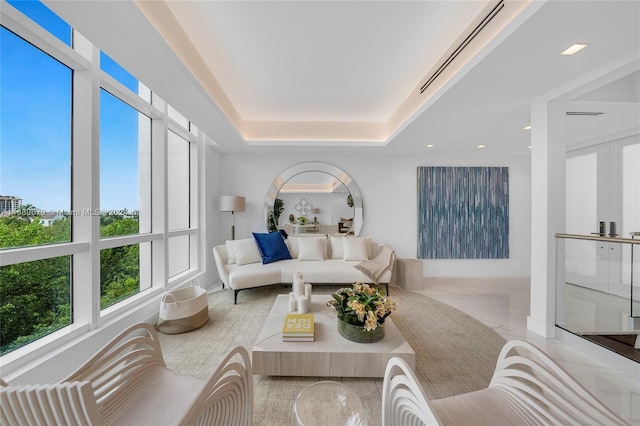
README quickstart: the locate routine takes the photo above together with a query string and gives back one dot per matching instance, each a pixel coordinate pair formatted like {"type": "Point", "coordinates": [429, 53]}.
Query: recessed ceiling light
{"type": "Point", "coordinates": [573, 49]}
{"type": "Point", "coordinates": [529, 147]}
{"type": "Point", "coordinates": [527, 127]}
{"type": "Point", "coordinates": [430, 146]}
{"type": "Point", "coordinates": [481, 146]}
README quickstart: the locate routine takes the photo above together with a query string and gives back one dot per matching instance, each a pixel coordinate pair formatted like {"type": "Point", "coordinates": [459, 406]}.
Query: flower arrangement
{"type": "Point", "coordinates": [362, 305]}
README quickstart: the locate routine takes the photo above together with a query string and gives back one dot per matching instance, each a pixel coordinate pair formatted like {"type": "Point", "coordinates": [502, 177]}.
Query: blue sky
{"type": "Point", "coordinates": [35, 124]}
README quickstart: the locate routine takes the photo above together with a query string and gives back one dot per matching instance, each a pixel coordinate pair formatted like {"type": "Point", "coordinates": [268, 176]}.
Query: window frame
{"type": "Point", "coordinates": [83, 58]}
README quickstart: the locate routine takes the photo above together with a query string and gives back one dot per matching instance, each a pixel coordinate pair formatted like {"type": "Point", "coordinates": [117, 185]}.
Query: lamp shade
{"type": "Point", "coordinates": [231, 203]}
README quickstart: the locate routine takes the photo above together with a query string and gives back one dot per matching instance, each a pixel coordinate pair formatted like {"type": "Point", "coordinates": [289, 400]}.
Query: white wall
{"type": "Point", "coordinates": [388, 185]}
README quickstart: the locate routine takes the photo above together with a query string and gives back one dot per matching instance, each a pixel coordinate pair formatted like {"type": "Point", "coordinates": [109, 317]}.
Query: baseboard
{"type": "Point", "coordinates": [541, 328]}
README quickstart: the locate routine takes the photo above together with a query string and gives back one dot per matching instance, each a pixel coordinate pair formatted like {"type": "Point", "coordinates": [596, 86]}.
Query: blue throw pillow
{"type": "Point", "coordinates": [272, 247]}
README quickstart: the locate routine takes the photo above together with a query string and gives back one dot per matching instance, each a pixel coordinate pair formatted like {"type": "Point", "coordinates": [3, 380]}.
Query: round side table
{"type": "Point", "coordinates": [329, 403]}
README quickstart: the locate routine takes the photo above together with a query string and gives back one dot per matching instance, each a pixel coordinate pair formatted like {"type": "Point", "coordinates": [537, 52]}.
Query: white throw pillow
{"type": "Point", "coordinates": [244, 251]}
{"type": "Point", "coordinates": [231, 258]}
{"type": "Point", "coordinates": [355, 248]}
{"type": "Point", "coordinates": [292, 245]}
{"type": "Point", "coordinates": [336, 247]}
{"type": "Point", "coordinates": [311, 248]}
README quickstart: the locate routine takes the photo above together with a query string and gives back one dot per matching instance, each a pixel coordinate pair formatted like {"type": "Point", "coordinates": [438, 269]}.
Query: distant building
{"type": "Point", "coordinates": [9, 203]}
{"type": "Point", "coordinates": [49, 217]}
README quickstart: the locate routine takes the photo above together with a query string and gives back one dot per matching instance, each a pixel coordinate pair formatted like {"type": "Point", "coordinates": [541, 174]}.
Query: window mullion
{"type": "Point", "coordinates": [86, 185]}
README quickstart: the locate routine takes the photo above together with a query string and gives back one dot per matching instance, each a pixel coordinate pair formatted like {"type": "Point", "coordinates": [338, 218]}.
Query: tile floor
{"type": "Point", "coordinates": [503, 305]}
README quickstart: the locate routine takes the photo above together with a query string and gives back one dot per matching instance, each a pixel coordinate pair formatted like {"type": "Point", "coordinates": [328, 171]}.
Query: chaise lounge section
{"type": "Point", "coordinates": [321, 259]}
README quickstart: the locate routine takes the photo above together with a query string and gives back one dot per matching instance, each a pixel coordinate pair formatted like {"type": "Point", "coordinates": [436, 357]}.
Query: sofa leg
{"type": "Point", "coordinates": [386, 285]}
{"type": "Point", "coordinates": [235, 297]}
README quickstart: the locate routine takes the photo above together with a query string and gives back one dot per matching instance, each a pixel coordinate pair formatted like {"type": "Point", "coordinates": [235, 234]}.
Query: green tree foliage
{"type": "Point", "coordinates": [35, 297]}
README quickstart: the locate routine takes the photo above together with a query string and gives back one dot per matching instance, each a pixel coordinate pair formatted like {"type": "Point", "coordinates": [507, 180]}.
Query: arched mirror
{"type": "Point", "coordinates": [314, 197]}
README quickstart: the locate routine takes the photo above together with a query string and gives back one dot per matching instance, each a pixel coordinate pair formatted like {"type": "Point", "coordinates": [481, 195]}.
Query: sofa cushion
{"type": "Point", "coordinates": [254, 275]}
{"type": "Point", "coordinates": [293, 243]}
{"type": "Point", "coordinates": [311, 248]}
{"type": "Point", "coordinates": [272, 247]}
{"type": "Point", "coordinates": [329, 271]}
{"type": "Point", "coordinates": [336, 247]}
{"type": "Point", "coordinates": [242, 252]}
{"type": "Point", "coordinates": [355, 248]}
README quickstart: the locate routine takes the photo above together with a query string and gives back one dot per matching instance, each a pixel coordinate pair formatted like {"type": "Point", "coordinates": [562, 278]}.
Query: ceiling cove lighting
{"type": "Point", "coordinates": [573, 49]}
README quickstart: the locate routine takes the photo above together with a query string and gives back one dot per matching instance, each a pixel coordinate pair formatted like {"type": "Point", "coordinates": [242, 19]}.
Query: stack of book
{"type": "Point", "coordinates": [298, 328]}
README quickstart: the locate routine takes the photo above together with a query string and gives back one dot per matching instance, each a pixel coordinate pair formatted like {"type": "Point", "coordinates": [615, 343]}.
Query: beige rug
{"type": "Point", "coordinates": [454, 352]}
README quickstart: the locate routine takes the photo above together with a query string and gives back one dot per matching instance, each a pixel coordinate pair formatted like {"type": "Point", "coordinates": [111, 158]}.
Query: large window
{"type": "Point", "coordinates": [125, 141]}
{"type": "Point", "coordinates": [82, 241]}
{"type": "Point", "coordinates": [35, 134]}
{"type": "Point", "coordinates": [36, 145]}
{"type": "Point", "coordinates": [181, 194]}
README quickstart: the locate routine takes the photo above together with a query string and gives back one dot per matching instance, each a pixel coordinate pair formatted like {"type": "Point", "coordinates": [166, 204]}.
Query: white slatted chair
{"type": "Point", "coordinates": [527, 388]}
{"type": "Point", "coordinates": [131, 385]}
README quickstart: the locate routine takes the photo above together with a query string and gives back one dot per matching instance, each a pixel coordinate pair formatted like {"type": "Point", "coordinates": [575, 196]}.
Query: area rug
{"type": "Point", "coordinates": [454, 353]}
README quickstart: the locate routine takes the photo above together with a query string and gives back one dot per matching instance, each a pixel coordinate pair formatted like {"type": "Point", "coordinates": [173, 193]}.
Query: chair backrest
{"type": "Point", "coordinates": [129, 356]}
{"type": "Point", "coordinates": [551, 394]}
{"type": "Point", "coordinates": [61, 404]}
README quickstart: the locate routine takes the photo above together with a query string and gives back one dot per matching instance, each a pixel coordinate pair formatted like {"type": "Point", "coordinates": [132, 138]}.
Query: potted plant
{"type": "Point", "coordinates": [361, 311]}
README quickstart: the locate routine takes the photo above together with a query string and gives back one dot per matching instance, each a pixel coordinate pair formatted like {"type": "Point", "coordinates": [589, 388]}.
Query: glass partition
{"type": "Point", "coordinates": [601, 301]}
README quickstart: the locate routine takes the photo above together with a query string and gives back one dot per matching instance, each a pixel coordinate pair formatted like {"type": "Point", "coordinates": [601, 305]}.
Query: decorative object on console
{"type": "Point", "coordinates": [272, 247]}
{"type": "Point", "coordinates": [232, 203]}
{"type": "Point", "coordinates": [304, 207]}
{"type": "Point", "coordinates": [361, 311]}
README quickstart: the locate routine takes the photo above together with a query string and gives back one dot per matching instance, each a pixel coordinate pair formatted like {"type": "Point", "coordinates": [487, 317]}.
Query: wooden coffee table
{"type": "Point", "coordinates": [330, 355]}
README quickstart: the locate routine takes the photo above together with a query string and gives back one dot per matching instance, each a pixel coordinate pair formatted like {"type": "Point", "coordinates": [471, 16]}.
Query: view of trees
{"type": "Point", "coordinates": [35, 297]}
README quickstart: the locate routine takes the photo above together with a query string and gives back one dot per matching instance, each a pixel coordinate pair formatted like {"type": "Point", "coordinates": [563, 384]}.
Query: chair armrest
{"type": "Point", "coordinates": [226, 397]}
{"type": "Point", "coordinates": [529, 376]}
{"type": "Point", "coordinates": [53, 404]}
{"type": "Point", "coordinates": [403, 398]}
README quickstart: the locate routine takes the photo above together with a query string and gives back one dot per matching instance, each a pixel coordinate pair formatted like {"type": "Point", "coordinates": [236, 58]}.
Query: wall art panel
{"type": "Point", "coordinates": [463, 212]}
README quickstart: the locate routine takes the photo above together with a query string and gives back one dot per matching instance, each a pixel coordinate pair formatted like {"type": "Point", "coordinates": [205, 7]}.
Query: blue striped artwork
{"type": "Point", "coordinates": [463, 212]}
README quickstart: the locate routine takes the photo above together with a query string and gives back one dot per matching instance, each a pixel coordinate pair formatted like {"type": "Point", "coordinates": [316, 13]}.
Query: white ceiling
{"type": "Point", "coordinates": [241, 68]}
{"type": "Point", "coordinates": [321, 60]}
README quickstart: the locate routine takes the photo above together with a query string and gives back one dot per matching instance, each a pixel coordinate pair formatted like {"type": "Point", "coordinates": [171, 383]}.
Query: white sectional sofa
{"type": "Point", "coordinates": [321, 259]}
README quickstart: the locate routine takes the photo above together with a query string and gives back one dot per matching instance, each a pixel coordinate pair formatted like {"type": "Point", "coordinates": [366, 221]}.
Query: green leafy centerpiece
{"type": "Point", "coordinates": [361, 312]}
